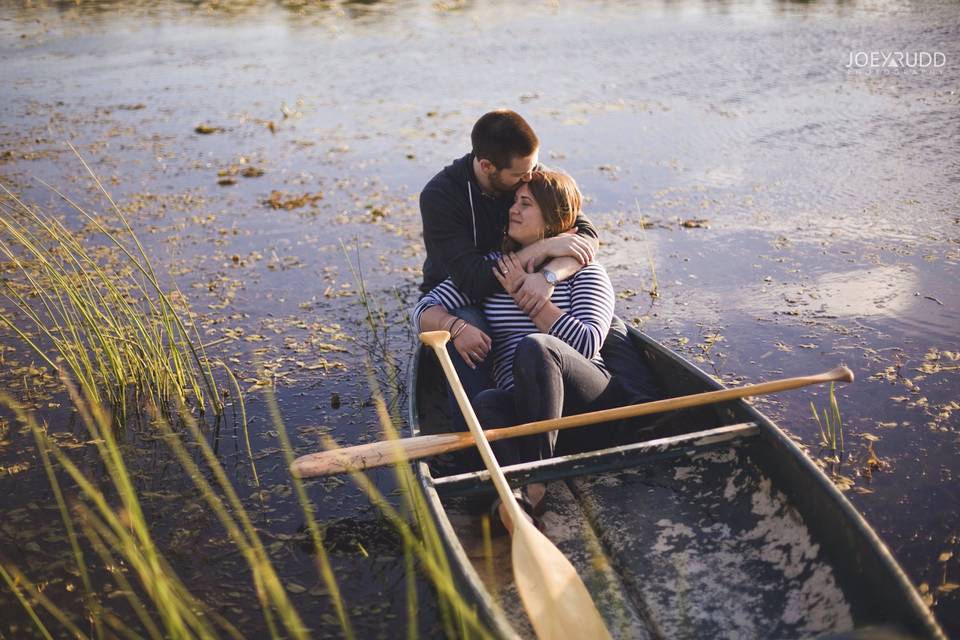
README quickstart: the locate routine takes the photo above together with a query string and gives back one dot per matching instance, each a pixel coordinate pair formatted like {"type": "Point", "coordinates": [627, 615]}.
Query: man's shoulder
{"type": "Point", "coordinates": [447, 190]}
{"type": "Point", "coordinates": [453, 176]}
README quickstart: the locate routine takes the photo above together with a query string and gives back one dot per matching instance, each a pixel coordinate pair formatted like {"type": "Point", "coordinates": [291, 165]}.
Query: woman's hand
{"type": "Point", "coordinates": [511, 273]}
{"type": "Point", "coordinates": [472, 344]}
{"type": "Point", "coordinates": [529, 289]}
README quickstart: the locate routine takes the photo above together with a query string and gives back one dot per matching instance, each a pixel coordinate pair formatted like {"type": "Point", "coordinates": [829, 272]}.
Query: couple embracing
{"type": "Point", "coordinates": [510, 273]}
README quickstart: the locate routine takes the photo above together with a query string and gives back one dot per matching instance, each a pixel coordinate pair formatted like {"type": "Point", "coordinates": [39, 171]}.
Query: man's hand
{"type": "Point", "coordinates": [570, 244]}
{"type": "Point", "coordinates": [473, 345]}
{"type": "Point", "coordinates": [529, 290]}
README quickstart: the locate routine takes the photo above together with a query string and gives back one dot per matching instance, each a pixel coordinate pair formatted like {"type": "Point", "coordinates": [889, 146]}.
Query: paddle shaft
{"type": "Point", "coordinates": [378, 454]}
{"type": "Point", "coordinates": [438, 341]}
{"type": "Point", "coordinates": [557, 602]}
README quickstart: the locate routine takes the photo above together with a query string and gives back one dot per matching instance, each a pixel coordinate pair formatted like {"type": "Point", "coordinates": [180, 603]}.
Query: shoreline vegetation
{"type": "Point", "coordinates": [128, 355]}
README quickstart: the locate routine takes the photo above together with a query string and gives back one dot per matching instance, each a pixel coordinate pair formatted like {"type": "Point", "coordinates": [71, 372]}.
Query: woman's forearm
{"type": "Point", "coordinates": [546, 317]}
{"type": "Point", "coordinates": [436, 318]}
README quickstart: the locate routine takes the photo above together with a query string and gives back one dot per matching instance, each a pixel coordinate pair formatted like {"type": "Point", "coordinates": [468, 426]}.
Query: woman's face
{"type": "Point", "coordinates": [526, 219]}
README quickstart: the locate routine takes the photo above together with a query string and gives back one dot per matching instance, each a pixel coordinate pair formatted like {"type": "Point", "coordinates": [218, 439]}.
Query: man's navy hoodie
{"type": "Point", "coordinates": [458, 236]}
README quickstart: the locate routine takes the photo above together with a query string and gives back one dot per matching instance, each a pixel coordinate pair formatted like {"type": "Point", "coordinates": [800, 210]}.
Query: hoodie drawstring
{"type": "Point", "coordinates": [473, 213]}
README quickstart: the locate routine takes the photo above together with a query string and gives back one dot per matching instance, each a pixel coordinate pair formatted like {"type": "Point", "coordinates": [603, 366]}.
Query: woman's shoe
{"type": "Point", "coordinates": [499, 517]}
{"type": "Point", "coordinates": [536, 494]}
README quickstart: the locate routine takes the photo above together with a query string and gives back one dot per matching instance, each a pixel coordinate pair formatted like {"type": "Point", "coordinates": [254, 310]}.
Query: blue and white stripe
{"type": "Point", "coordinates": [586, 300]}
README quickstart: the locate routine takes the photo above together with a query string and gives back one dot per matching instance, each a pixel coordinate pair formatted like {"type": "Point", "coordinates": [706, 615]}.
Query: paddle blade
{"type": "Point", "coordinates": [556, 600]}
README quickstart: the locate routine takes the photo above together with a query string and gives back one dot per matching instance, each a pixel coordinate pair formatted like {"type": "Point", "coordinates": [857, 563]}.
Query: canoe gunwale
{"type": "Point", "coordinates": [464, 573]}
{"type": "Point", "coordinates": [603, 460]}
{"type": "Point", "coordinates": [825, 510]}
{"type": "Point", "coordinates": [790, 469]}
{"type": "Point", "coordinates": [837, 508]}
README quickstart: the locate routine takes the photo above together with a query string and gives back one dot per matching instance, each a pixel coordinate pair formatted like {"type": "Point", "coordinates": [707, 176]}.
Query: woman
{"type": "Point", "coordinates": [546, 365]}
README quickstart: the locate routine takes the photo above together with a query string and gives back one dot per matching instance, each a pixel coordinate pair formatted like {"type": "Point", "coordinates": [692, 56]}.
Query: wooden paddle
{"type": "Point", "coordinates": [556, 600]}
{"type": "Point", "coordinates": [376, 454]}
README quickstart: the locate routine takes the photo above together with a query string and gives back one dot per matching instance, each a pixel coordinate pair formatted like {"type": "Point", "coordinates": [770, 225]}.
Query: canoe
{"type": "Point", "coordinates": [712, 523]}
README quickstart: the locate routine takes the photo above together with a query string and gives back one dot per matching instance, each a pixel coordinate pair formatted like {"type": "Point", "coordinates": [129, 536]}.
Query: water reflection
{"type": "Point", "coordinates": [881, 291]}
{"type": "Point", "coordinates": [366, 10]}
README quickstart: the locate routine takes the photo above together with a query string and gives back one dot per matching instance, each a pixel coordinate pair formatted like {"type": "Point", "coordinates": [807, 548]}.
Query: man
{"type": "Point", "coordinates": [465, 213]}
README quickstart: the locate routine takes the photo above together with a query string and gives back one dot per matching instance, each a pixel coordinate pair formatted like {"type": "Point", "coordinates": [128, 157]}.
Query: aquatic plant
{"type": "Point", "coordinates": [98, 311]}
{"type": "Point", "coordinates": [654, 290]}
{"type": "Point", "coordinates": [121, 536]}
{"type": "Point", "coordinates": [831, 426]}
{"type": "Point", "coordinates": [113, 546]}
{"type": "Point", "coordinates": [377, 345]}
{"type": "Point", "coordinates": [421, 541]}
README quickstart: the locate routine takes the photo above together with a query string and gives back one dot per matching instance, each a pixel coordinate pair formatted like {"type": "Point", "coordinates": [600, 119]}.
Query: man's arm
{"type": "Point", "coordinates": [566, 266]}
{"type": "Point", "coordinates": [448, 237]}
{"type": "Point", "coordinates": [535, 291]}
{"type": "Point", "coordinates": [566, 253]}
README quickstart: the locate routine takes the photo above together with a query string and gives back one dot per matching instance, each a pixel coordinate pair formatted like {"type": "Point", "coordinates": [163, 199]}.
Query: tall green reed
{"type": "Point", "coordinates": [122, 529]}
{"type": "Point", "coordinates": [120, 535]}
{"type": "Point", "coordinates": [414, 521]}
{"type": "Point", "coordinates": [163, 606]}
{"type": "Point", "coordinates": [98, 311]}
{"type": "Point", "coordinates": [831, 427]}
{"type": "Point", "coordinates": [654, 290]}
{"type": "Point", "coordinates": [105, 321]}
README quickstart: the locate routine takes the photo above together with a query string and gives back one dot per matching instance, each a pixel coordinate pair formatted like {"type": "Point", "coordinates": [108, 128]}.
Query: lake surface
{"type": "Point", "coordinates": [801, 214]}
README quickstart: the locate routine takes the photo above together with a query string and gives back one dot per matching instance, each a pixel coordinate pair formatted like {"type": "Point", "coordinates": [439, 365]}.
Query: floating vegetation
{"type": "Point", "coordinates": [241, 169]}
{"type": "Point", "coordinates": [280, 200]}
{"type": "Point", "coordinates": [872, 461]}
{"type": "Point", "coordinates": [98, 312]}
{"type": "Point", "coordinates": [207, 129]}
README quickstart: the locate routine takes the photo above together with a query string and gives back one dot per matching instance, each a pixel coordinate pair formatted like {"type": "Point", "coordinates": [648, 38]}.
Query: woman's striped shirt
{"type": "Point", "coordinates": [586, 300]}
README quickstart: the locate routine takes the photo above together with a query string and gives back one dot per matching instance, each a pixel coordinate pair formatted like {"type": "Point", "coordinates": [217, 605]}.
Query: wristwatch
{"type": "Point", "coordinates": [550, 276]}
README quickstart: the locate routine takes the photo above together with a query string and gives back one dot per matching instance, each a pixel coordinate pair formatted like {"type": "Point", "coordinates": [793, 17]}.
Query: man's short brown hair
{"type": "Point", "coordinates": [502, 135]}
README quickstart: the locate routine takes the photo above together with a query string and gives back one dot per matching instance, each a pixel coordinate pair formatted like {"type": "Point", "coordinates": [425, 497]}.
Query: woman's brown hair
{"type": "Point", "coordinates": [559, 200]}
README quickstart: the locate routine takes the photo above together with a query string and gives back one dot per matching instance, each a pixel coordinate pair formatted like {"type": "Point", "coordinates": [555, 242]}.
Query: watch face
{"type": "Point", "coordinates": [550, 276]}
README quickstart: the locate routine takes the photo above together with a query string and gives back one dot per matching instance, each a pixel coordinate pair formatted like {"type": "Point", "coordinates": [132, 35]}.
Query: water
{"type": "Point", "coordinates": [830, 199]}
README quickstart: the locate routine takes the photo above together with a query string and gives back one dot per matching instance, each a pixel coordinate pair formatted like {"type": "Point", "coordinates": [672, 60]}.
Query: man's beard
{"type": "Point", "coordinates": [500, 187]}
